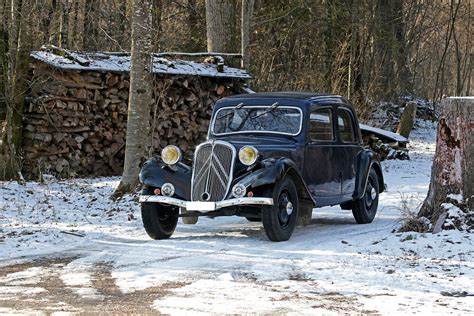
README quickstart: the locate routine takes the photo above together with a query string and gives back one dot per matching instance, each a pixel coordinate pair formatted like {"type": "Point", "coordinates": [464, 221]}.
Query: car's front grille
{"type": "Point", "coordinates": [212, 174]}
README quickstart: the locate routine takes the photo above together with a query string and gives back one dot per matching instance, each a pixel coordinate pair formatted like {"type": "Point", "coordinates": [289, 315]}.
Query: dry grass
{"type": "Point", "coordinates": [410, 220]}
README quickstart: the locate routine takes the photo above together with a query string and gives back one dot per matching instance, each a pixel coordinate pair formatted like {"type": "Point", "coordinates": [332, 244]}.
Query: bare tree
{"type": "Point", "coordinates": [220, 26]}
{"type": "Point", "coordinates": [140, 97]}
{"type": "Point", "coordinates": [3, 58]}
{"type": "Point", "coordinates": [246, 27]}
{"type": "Point", "coordinates": [19, 43]}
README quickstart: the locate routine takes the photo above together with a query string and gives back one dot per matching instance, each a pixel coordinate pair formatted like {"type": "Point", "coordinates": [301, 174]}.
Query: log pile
{"type": "Point", "coordinates": [75, 122]}
{"type": "Point", "coordinates": [384, 150]}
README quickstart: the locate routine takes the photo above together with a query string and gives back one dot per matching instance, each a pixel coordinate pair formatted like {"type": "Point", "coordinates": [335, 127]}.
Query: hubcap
{"type": "Point", "coordinates": [373, 194]}
{"type": "Point", "coordinates": [289, 208]}
{"type": "Point", "coordinates": [285, 208]}
{"type": "Point", "coordinates": [370, 195]}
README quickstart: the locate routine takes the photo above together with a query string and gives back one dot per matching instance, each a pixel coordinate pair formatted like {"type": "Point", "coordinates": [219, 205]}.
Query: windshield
{"type": "Point", "coordinates": [258, 119]}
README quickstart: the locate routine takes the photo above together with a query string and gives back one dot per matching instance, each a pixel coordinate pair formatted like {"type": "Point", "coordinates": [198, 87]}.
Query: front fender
{"type": "Point", "coordinates": [155, 173]}
{"type": "Point", "coordinates": [272, 171]}
{"type": "Point", "coordinates": [366, 161]}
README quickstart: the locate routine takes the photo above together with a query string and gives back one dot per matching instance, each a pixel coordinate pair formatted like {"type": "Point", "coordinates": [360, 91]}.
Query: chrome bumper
{"type": "Point", "coordinates": [204, 207]}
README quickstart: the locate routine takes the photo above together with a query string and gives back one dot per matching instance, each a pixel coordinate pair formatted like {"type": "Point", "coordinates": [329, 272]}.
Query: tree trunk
{"type": "Point", "coordinates": [220, 26]}
{"type": "Point", "coordinates": [194, 43]}
{"type": "Point", "coordinates": [64, 23]}
{"type": "Point", "coordinates": [76, 17]}
{"type": "Point", "coordinates": [91, 22]}
{"type": "Point", "coordinates": [157, 11]}
{"type": "Point", "coordinates": [3, 59]}
{"type": "Point", "coordinates": [19, 50]}
{"type": "Point", "coordinates": [453, 164]}
{"type": "Point", "coordinates": [140, 97]}
{"type": "Point", "coordinates": [246, 27]}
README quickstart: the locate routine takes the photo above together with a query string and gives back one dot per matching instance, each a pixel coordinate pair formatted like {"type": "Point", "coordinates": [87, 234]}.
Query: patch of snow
{"type": "Point", "coordinates": [384, 133]}
{"type": "Point", "coordinates": [457, 197]}
{"type": "Point", "coordinates": [120, 63]}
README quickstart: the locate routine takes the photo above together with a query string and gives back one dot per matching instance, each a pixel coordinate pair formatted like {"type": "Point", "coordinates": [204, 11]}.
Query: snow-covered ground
{"type": "Point", "coordinates": [226, 265]}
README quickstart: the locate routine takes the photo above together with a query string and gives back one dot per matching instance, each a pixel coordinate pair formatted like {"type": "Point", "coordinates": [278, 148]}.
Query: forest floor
{"type": "Point", "coordinates": [66, 247]}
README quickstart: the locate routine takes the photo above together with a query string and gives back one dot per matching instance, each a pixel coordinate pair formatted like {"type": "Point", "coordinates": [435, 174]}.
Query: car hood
{"type": "Point", "coordinates": [267, 146]}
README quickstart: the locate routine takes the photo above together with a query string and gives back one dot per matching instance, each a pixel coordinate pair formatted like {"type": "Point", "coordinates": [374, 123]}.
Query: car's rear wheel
{"type": "Point", "coordinates": [365, 208]}
{"type": "Point", "coordinates": [159, 220]}
{"type": "Point", "coordinates": [279, 220]}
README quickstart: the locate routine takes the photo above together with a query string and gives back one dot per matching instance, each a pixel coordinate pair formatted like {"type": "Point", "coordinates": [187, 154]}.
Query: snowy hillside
{"type": "Point", "coordinates": [65, 247]}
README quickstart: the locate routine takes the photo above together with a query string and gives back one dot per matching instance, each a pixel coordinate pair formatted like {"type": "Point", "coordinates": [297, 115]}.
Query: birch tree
{"type": "Point", "coordinates": [140, 96]}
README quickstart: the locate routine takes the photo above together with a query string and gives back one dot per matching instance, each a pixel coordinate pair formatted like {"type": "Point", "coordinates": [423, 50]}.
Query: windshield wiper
{"type": "Point", "coordinates": [237, 107]}
{"type": "Point", "coordinates": [269, 110]}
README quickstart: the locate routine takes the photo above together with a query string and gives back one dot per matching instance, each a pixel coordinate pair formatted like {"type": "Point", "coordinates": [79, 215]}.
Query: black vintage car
{"type": "Point", "coordinates": [269, 157]}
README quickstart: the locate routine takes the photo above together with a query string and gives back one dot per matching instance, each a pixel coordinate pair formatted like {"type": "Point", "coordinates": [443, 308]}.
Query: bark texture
{"type": "Point", "coordinates": [246, 27]}
{"type": "Point", "coordinates": [140, 100]}
{"type": "Point", "coordinates": [3, 59]}
{"type": "Point", "coordinates": [16, 87]}
{"type": "Point", "coordinates": [220, 26]}
{"type": "Point", "coordinates": [453, 164]}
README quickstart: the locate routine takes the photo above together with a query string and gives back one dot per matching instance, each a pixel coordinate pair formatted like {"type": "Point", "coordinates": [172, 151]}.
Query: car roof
{"type": "Point", "coordinates": [283, 95]}
{"type": "Point", "coordinates": [313, 97]}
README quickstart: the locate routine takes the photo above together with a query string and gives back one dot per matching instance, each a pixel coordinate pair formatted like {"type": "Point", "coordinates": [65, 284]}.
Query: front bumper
{"type": "Point", "coordinates": [205, 207]}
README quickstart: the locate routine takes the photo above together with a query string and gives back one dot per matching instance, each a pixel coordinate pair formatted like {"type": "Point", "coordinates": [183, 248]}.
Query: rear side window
{"type": "Point", "coordinates": [345, 126]}
{"type": "Point", "coordinates": [320, 125]}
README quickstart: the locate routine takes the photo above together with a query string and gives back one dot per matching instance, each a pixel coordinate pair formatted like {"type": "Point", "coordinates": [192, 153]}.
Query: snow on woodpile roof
{"type": "Point", "coordinates": [120, 62]}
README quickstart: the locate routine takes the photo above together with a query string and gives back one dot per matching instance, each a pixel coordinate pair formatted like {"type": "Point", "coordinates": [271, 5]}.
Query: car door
{"type": "Point", "coordinates": [320, 153]}
{"type": "Point", "coordinates": [348, 148]}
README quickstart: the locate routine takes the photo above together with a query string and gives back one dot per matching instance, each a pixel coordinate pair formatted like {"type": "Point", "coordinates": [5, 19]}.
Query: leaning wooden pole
{"type": "Point", "coordinates": [453, 164]}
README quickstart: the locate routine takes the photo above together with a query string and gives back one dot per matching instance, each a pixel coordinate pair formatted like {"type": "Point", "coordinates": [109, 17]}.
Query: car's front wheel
{"type": "Point", "coordinates": [279, 220]}
{"type": "Point", "coordinates": [365, 208]}
{"type": "Point", "coordinates": [159, 220]}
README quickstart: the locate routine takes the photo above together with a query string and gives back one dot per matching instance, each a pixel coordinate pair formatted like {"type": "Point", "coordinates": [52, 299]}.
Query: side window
{"type": "Point", "coordinates": [320, 125]}
{"type": "Point", "coordinates": [345, 126]}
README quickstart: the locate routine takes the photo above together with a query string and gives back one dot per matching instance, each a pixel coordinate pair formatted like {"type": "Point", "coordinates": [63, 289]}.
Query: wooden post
{"type": "Point", "coordinates": [407, 120]}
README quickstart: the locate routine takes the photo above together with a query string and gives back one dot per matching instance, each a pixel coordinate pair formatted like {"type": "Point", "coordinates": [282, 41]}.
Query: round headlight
{"type": "Point", "coordinates": [248, 155]}
{"type": "Point", "coordinates": [170, 154]}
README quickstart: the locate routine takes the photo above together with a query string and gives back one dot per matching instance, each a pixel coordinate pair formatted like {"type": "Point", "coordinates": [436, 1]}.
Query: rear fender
{"type": "Point", "coordinates": [155, 173]}
{"type": "Point", "coordinates": [366, 161]}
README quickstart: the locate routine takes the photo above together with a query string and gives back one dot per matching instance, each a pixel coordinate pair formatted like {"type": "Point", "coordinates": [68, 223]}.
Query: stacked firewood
{"type": "Point", "coordinates": [75, 122]}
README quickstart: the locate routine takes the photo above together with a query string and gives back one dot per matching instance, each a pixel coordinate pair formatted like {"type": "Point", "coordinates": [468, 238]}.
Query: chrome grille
{"type": "Point", "coordinates": [212, 174]}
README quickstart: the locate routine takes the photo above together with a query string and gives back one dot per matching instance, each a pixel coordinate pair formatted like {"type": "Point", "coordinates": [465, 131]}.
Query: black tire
{"type": "Point", "coordinates": [279, 220]}
{"type": "Point", "coordinates": [365, 208]}
{"type": "Point", "coordinates": [159, 220]}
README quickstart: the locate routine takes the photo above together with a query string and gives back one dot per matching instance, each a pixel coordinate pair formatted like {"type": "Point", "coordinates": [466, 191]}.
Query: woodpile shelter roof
{"type": "Point", "coordinates": [120, 63]}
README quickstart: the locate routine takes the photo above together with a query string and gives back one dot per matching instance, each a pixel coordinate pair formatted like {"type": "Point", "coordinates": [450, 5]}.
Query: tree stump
{"type": "Point", "coordinates": [453, 164]}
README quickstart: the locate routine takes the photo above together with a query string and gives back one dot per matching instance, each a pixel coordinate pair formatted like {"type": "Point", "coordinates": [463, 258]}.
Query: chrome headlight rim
{"type": "Point", "coordinates": [173, 161]}
{"type": "Point", "coordinates": [242, 153]}
{"type": "Point", "coordinates": [239, 190]}
{"type": "Point", "coordinates": [167, 189]}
